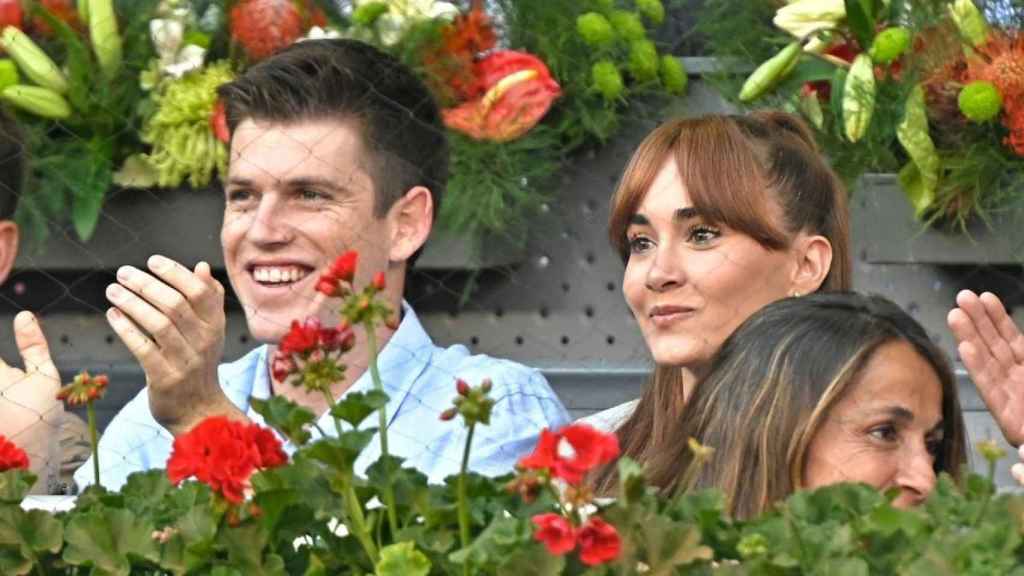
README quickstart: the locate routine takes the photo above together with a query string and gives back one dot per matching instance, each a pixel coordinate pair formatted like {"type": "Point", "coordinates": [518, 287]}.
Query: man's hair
{"type": "Point", "coordinates": [12, 164]}
{"type": "Point", "coordinates": [350, 81]}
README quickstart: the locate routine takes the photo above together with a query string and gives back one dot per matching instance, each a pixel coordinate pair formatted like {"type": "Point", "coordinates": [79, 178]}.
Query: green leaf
{"type": "Point", "coordinates": [668, 544]}
{"type": "Point", "coordinates": [13, 562]}
{"type": "Point", "coordinates": [86, 204]}
{"type": "Point", "coordinates": [108, 539]}
{"type": "Point", "coordinates": [14, 485]}
{"type": "Point", "coordinates": [860, 16]}
{"type": "Point", "coordinates": [631, 480]}
{"type": "Point", "coordinates": [402, 559]}
{"type": "Point", "coordinates": [340, 453]}
{"type": "Point", "coordinates": [356, 406]}
{"type": "Point", "coordinates": [285, 416]}
{"type": "Point", "coordinates": [920, 176]}
{"type": "Point", "coordinates": [246, 545]}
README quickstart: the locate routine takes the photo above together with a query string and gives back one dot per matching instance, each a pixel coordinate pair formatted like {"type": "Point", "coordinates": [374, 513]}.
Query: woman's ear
{"type": "Point", "coordinates": [410, 220]}
{"type": "Point", "coordinates": [813, 263]}
{"type": "Point", "coordinates": [8, 247]}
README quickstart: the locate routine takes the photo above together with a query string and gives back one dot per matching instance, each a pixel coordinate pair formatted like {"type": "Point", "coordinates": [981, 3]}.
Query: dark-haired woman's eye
{"type": "Point", "coordinates": [885, 433]}
{"type": "Point", "coordinates": [639, 244]}
{"type": "Point", "coordinates": [703, 234]}
{"type": "Point", "coordinates": [934, 446]}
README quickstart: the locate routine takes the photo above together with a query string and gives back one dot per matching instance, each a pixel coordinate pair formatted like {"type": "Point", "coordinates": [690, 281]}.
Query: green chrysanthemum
{"type": "Point", "coordinates": [595, 29]}
{"type": "Point", "coordinates": [653, 10]}
{"type": "Point", "coordinates": [628, 25]}
{"type": "Point", "coordinates": [183, 145]}
{"type": "Point", "coordinates": [980, 101]}
{"type": "Point", "coordinates": [673, 75]}
{"type": "Point", "coordinates": [606, 79]}
{"type": "Point", "coordinates": [643, 60]}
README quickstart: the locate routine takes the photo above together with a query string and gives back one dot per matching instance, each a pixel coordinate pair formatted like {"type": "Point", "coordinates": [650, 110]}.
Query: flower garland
{"type": "Point", "coordinates": [522, 85]}
{"type": "Point", "coordinates": [931, 90]}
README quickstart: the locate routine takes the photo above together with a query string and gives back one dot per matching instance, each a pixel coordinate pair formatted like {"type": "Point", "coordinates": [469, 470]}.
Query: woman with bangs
{"type": "Point", "coordinates": [714, 218]}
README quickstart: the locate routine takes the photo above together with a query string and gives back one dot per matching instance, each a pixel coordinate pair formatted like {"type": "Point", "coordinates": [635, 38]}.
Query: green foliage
{"type": "Point", "coordinates": [912, 43]}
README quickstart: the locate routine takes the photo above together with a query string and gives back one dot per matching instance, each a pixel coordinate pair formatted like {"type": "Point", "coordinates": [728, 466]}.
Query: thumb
{"type": "Point", "coordinates": [32, 346]}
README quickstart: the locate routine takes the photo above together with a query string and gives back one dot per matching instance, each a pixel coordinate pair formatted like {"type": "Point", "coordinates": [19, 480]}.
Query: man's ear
{"type": "Point", "coordinates": [813, 263]}
{"type": "Point", "coordinates": [8, 247]}
{"type": "Point", "coordinates": [410, 220]}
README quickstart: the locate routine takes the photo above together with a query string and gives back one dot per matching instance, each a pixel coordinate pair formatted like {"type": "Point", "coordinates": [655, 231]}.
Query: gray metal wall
{"type": "Point", "coordinates": [560, 308]}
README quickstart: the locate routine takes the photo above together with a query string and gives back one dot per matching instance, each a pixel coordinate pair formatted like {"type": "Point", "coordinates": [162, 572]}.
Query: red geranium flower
{"type": "Point", "coordinates": [556, 532]}
{"type": "Point", "coordinates": [301, 338]}
{"type": "Point", "coordinates": [11, 457]}
{"type": "Point", "coordinates": [344, 267]}
{"type": "Point", "coordinates": [599, 542]}
{"type": "Point", "coordinates": [219, 123]}
{"type": "Point", "coordinates": [572, 451]}
{"type": "Point", "coordinates": [223, 454]}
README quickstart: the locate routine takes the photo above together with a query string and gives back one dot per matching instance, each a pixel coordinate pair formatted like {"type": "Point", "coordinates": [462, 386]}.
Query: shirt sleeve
{"type": "Point", "coordinates": [132, 442]}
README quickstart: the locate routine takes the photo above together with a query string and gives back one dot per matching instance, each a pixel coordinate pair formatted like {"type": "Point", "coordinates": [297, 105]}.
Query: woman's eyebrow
{"type": "Point", "coordinates": [680, 215]}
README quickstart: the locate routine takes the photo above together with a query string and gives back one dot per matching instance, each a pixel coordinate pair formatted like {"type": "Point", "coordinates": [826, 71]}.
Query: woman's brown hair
{"type": "Point", "coordinates": [760, 174]}
{"type": "Point", "coordinates": [772, 386]}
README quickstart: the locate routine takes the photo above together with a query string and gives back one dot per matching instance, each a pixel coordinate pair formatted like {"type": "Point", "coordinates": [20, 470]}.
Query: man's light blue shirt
{"type": "Point", "coordinates": [419, 378]}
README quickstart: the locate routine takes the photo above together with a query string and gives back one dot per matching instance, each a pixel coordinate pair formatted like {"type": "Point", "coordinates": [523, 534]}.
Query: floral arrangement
{"type": "Point", "coordinates": [929, 89]}
{"type": "Point", "coordinates": [123, 92]}
{"type": "Point", "coordinates": [232, 502]}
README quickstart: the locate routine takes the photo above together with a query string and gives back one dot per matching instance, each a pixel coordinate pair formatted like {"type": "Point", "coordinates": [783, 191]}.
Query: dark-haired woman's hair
{"type": "Point", "coordinates": [760, 174]}
{"type": "Point", "coordinates": [772, 386]}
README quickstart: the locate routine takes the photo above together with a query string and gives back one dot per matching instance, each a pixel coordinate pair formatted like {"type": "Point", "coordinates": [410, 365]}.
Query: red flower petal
{"type": "Point", "coordinates": [599, 542]}
{"type": "Point", "coordinates": [11, 457]}
{"type": "Point", "coordinates": [556, 532]}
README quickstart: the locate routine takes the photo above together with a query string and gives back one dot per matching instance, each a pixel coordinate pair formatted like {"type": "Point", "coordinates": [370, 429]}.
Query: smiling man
{"type": "Point", "coordinates": [335, 146]}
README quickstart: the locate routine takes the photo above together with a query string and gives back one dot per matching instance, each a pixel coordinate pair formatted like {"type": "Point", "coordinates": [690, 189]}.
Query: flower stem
{"type": "Point", "coordinates": [330, 406]}
{"type": "Point", "coordinates": [91, 413]}
{"type": "Point", "coordinates": [355, 512]}
{"type": "Point", "coordinates": [463, 498]}
{"type": "Point", "coordinates": [389, 492]}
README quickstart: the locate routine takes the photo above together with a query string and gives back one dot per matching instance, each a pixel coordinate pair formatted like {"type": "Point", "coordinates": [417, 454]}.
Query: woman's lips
{"type": "Point", "coordinates": [663, 316]}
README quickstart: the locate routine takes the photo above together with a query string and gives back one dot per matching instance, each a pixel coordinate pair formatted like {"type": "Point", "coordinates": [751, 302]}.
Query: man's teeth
{"type": "Point", "coordinates": [278, 274]}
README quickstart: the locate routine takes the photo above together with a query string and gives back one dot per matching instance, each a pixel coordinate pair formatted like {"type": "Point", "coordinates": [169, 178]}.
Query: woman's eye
{"type": "Point", "coordinates": [934, 446]}
{"type": "Point", "coordinates": [703, 234]}
{"type": "Point", "coordinates": [886, 433]}
{"type": "Point", "coordinates": [639, 244]}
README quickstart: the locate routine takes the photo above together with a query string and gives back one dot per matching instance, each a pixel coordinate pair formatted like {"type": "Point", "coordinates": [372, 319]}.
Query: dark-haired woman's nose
{"type": "Point", "coordinates": [916, 478]}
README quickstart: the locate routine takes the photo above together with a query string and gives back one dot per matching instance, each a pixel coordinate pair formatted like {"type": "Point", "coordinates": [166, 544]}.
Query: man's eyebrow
{"type": "Point", "coordinates": [680, 215]}
{"type": "Point", "coordinates": [294, 183]}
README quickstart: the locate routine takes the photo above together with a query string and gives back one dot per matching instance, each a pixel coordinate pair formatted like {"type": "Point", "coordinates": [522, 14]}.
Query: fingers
{"type": "Point", "coordinates": [164, 331]}
{"type": "Point", "coordinates": [35, 352]}
{"type": "Point", "coordinates": [980, 322]}
{"type": "Point", "coordinates": [139, 344]}
{"type": "Point", "coordinates": [1004, 324]}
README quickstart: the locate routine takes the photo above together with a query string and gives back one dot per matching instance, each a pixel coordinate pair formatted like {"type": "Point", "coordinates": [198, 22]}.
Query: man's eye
{"type": "Point", "coordinates": [309, 194]}
{"type": "Point", "coordinates": [239, 195]}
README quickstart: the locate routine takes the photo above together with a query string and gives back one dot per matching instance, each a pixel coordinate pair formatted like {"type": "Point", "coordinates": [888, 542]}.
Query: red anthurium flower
{"type": "Point", "coordinates": [556, 532]}
{"type": "Point", "coordinates": [219, 123]}
{"type": "Point", "coordinates": [11, 13]}
{"type": "Point", "coordinates": [572, 452]}
{"type": "Point", "coordinates": [223, 454]}
{"type": "Point", "coordinates": [599, 542]}
{"type": "Point", "coordinates": [65, 10]}
{"type": "Point", "coordinates": [11, 457]}
{"type": "Point", "coordinates": [518, 91]}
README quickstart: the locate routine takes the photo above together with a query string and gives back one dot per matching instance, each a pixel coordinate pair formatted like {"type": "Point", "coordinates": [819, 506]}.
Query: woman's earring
{"type": "Point", "coordinates": [795, 294]}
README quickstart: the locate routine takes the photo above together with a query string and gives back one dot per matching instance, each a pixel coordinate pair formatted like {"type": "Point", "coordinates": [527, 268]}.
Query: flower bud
{"type": "Point", "coordinates": [40, 101]}
{"type": "Point", "coordinates": [36, 65]}
{"type": "Point", "coordinates": [449, 414]}
{"type": "Point", "coordinates": [486, 386]}
{"type": "Point", "coordinates": [327, 286]}
{"type": "Point", "coordinates": [379, 280]}
{"type": "Point", "coordinates": [461, 387]}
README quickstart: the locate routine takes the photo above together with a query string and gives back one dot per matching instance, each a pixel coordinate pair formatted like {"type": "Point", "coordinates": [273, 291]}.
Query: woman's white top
{"type": "Point", "coordinates": [609, 420]}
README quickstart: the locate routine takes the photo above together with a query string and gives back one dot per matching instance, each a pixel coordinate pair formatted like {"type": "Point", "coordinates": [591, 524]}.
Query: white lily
{"type": "Point", "coordinates": [175, 60]}
{"type": "Point", "coordinates": [402, 14]}
{"type": "Point", "coordinates": [318, 33]}
{"type": "Point", "coordinates": [804, 17]}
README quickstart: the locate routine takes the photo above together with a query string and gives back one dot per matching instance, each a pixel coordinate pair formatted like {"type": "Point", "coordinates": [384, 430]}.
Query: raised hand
{"type": "Point", "coordinates": [28, 398]}
{"type": "Point", "coordinates": [992, 349]}
{"type": "Point", "coordinates": [172, 320]}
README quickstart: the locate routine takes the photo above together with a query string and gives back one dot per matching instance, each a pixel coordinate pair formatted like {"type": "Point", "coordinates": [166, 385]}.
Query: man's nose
{"type": "Point", "coordinates": [270, 222]}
